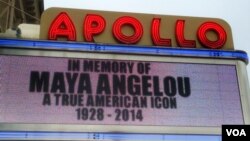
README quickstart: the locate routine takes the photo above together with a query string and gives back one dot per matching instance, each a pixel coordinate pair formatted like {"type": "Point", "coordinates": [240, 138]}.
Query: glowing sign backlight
{"type": "Point", "coordinates": [117, 92]}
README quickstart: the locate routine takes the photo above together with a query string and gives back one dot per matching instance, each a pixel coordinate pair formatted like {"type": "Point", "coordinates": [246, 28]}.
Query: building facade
{"type": "Point", "coordinates": [15, 12]}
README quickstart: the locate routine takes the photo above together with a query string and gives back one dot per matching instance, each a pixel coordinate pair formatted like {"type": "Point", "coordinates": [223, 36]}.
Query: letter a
{"type": "Point", "coordinates": [242, 132]}
{"type": "Point", "coordinates": [46, 99]}
{"type": "Point", "coordinates": [62, 26]}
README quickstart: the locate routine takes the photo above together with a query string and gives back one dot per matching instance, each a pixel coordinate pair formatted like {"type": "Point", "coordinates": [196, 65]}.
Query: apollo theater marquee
{"type": "Point", "coordinates": [109, 72]}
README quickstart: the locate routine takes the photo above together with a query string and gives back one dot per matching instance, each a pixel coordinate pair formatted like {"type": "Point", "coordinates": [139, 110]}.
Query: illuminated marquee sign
{"type": "Point", "coordinates": [131, 28]}
{"type": "Point", "coordinates": [157, 96]}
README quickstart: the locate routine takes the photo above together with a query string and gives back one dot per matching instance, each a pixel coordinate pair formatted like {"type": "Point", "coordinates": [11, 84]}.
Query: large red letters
{"type": "Point", "coordinates": [94, 25]}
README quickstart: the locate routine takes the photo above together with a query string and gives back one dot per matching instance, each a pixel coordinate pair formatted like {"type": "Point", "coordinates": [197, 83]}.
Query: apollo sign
{"type": "Point", "coordinates": [135, 29]}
